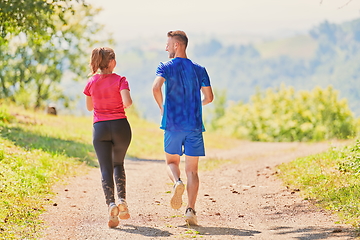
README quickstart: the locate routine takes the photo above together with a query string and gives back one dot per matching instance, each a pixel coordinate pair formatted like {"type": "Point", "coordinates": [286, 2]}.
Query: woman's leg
{"type": "Point", "coordinates": [103, 148]}
{"type": "Point", "coordinates": [121, 135]}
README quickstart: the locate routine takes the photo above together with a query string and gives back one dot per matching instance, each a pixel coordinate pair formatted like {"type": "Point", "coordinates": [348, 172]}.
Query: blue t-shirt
{"type": "Point", "coordinates": [182, 105]}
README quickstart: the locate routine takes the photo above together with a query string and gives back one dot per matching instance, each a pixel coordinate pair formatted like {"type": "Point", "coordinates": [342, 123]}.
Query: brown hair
{"type": "Point", "coordinates": [100, 58]}
{"type": "Point", "coordinates": [179, 35]}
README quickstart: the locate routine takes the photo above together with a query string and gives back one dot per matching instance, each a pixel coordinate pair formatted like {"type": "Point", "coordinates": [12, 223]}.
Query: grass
{"type": "Point", "coordinates": [146, 142]}
{"type": "Point", "coordinates": [26, 177]}
{"type": "Point", "coordinates": [36, 151]}
{"type": "Point", "coordinates": [329, 180]}
{"type": "Point", "coordinates": [58, 136]}
{"type": "Point", "coordinates": [190, 233]}
{"type": "Point", "coordinates": [213, 163]}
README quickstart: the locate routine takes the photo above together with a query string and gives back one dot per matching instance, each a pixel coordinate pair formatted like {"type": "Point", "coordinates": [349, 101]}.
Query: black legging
{"type": "Point", "coordinates": [111, 140]}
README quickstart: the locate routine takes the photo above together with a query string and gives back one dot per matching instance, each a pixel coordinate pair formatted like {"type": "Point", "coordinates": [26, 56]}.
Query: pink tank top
{"type": "Point", "coordinates": [104, 89]}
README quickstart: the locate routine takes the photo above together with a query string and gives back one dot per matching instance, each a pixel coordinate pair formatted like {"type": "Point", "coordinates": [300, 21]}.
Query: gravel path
{"type": "Point", "coordinates": [236, 201]}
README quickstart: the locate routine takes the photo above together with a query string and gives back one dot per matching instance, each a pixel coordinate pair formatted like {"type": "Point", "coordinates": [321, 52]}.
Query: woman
{"type": "Point", "coordinates": [108, 94]}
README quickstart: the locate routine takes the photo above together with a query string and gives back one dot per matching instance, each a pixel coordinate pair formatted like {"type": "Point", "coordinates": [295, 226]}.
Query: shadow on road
{"type": "Point", "coordinates": [201, 231]}
{"type": "Point", "coordinates": [211, 231]}
{"type": "Point", "coordinates": [142, 159]}
{"type": "Point", "coordinates": [145, 231]}
{"type": "Point", "coordinates": [313, 232]}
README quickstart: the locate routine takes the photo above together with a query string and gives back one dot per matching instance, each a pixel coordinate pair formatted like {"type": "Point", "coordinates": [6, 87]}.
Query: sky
{"type": "Point", "coordinates": [141, 18]}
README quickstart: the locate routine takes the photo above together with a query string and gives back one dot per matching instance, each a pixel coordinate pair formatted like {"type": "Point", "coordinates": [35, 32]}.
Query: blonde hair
{"type": "Point", "coordinates": [100, 58]}
{"type": "Point", "coordinates": [179, 36]}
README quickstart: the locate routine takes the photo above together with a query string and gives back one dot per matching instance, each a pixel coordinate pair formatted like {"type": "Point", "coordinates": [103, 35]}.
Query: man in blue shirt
{"type": "Point", "coordinates": [181, 109]}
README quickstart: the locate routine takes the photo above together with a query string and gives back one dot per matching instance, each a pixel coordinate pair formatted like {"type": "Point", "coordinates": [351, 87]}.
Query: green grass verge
{"type": "Point", "coordinates": [331, 180]}
{"type": "Point", "coordinates": [35, 152]}
{"type": "Point", "coordinates": [26, 178]}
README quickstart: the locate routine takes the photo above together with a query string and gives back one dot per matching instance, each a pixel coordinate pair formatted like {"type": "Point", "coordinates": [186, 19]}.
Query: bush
{"type": "Point", "coordinates": [285, 115]}
{"type": "Point", "coordinates": [352, 162]}
{"type": "Point", "coordinates": [5, 116]}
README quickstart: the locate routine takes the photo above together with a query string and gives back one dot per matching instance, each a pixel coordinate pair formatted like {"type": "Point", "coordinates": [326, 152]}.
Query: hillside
{"type": "Point", "coordinates": [327, 55]}
{"type": "Point", "coordinates": [297, 47]}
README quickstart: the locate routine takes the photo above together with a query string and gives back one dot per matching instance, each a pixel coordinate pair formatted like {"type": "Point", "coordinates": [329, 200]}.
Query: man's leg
{"type": "Point", "coordinates": [191, 169]}
{"type": "Point", "coordinates": [173, 162]}
{"type": "Point", "coordinates": [173, 169]}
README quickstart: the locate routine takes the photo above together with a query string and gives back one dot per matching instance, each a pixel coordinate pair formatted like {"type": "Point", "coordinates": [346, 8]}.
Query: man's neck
{"type": "Point", "coordinates": [181, 54]}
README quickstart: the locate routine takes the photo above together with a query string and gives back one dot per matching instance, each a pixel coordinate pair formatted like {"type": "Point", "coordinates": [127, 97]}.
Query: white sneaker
{"type": "Point", "coordinates": [123, 210]}
{"type": "Point", "coordinates": [190, 216]}
{"type": "Point", "coordinates": [113, 215]}
{"type": "Point", "coordinates": [176, 199]}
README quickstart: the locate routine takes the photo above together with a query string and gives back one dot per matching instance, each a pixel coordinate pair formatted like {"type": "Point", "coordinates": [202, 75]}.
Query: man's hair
{"type": "Point", "coordinates": [179, 36]}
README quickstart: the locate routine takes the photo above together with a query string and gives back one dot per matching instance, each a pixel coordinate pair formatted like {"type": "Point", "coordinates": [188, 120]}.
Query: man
{"type": "Point", "coordinates": [182, 117]}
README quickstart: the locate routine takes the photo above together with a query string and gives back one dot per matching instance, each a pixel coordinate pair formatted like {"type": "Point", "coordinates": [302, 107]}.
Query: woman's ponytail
{"type": "Point", "coordinates": [96, 59]}
{"type": "Point", "coordinates": [100, 58]}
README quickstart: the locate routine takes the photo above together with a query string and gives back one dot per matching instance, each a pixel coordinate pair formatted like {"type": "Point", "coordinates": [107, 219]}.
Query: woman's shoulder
{"type": "Point", "coordinates": [118, 76]}
{"type": "Point", "coordinates": [93, 78]}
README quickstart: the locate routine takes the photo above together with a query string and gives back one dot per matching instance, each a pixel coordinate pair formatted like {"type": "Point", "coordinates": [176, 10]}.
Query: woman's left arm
{"type": "Point", "coordinates": [125, 95]}
{"type": "Point", "coordinates": [89, 103]}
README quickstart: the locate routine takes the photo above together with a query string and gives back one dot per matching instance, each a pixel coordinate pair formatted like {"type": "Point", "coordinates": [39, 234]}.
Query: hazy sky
{"type": "Point", "coordinates": [134, 18]}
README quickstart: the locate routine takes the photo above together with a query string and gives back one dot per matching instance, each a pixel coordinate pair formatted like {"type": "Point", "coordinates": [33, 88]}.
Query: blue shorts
{"type": "Point", "coordinates": [188, 143]}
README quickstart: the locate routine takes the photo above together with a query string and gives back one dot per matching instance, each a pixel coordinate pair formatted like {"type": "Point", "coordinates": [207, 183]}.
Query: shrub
{"type": "Point", "coordinates": [5, 116]}
{"type": "Point", "coordinates": [352, 160]}
{"type": "Point", "coordinates": [285, 115]}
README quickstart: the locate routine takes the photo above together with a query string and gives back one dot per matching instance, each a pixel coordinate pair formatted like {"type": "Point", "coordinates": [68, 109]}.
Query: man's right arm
{"type": "Point", "coordinates": [208, 95]}
{"type": "Point", "coordinates": [158, 82]}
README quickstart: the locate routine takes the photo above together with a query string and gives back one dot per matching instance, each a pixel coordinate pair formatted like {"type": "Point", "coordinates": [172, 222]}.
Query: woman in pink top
{"type": "Point", "coordinates": [108, 94]}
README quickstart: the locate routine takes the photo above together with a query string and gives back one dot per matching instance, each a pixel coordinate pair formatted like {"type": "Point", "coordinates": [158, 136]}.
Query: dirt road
{"type": "Point", "coordinates": [236, 201]}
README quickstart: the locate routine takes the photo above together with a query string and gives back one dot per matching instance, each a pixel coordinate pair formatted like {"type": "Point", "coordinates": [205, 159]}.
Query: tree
{"type": "Point", "coordinates": [219, 107]}
{"type": "Point", "coordinates": [32, 16]}
{"type": "Point", "coordinates": [35, 63]}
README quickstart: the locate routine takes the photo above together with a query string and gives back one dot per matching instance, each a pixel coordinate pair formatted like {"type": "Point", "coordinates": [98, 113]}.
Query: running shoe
{"type": "Point", "coordinates": [113, 215]}
{"type": "Point", "coordinates": [190, 216]}
{"type": "Point", "coordinates": [123, 210]}
{"type": "Point", "coordinates": [176, 199]}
